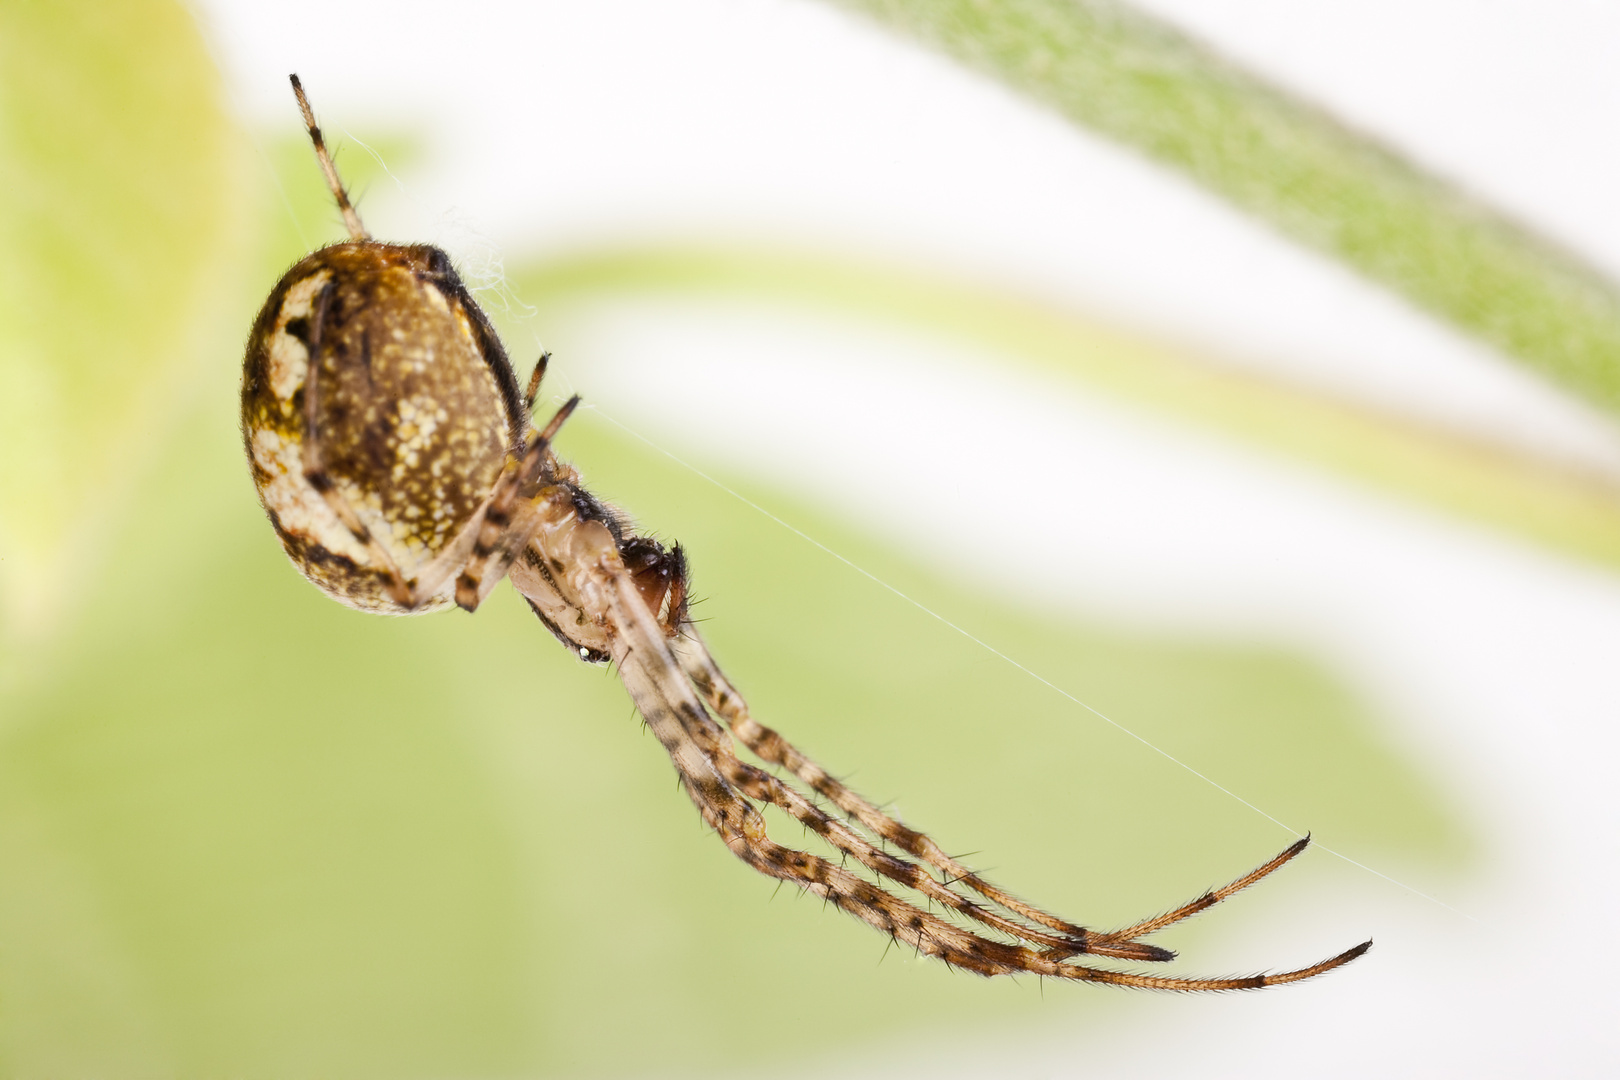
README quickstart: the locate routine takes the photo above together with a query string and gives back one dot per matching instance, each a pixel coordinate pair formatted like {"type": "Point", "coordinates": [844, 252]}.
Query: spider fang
{"type": "Point", "coordinates": [395, 456]}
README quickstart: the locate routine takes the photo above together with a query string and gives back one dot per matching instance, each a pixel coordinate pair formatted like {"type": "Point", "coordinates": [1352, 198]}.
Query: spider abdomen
{"type": "Point", "coordinates": [409, 417]}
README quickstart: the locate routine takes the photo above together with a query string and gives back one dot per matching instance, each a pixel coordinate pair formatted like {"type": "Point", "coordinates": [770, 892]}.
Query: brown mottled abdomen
{"type": "Point", "coordinates": [413, 416]}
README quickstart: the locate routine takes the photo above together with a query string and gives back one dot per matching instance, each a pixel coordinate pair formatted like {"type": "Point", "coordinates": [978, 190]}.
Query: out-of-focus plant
{"type": "Point", "coordinates": [124, 227]}
{"type": "Point", "coordinates": [246, 831]}
{"type": "Point", "coordinates": [1120, 72]}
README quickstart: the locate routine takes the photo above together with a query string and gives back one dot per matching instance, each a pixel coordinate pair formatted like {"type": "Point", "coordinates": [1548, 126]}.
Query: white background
{"type": "Point", "coordinates": [562, 125]}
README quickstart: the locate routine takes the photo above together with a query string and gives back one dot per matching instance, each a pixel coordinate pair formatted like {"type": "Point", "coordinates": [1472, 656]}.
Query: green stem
{"type": "Point", "coordinates": [1112, 69]}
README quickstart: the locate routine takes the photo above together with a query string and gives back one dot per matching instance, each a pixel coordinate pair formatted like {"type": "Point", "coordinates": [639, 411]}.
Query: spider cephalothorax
{"type": "Point", "coordinates": [397, 461]}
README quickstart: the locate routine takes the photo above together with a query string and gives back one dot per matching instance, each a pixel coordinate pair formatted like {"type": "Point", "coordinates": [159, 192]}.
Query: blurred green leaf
{"type": "Point", "coordinates": [124, 226]}
{"type": "Point", "coordinates": [1109, 67]}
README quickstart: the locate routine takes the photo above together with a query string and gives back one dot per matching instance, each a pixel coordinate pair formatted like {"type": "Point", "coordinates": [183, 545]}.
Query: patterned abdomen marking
{"type": "Point", "coordinates": [414, 421]}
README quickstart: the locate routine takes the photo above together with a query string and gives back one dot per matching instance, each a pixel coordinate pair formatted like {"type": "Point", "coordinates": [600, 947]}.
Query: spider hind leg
{"type": "Point", "coordinates": [1014, 915]}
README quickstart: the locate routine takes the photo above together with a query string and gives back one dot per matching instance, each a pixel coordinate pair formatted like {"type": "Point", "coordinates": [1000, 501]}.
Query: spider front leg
{"type": "Point", "coordinates": [507, 524]}
{"type": "Point", "coordinates": [716, 781]}
{"type": "Point", "coordinates": [771, 747]}
{"type": "Point", "coordinates": [721, 696]}
{"type": "Point", "coordinates": [576, 565]}
{"type": "Point", "coordinates": [718, 784]}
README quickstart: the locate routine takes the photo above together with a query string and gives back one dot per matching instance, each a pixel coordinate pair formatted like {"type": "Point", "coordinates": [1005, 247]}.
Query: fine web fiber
{"type": "Point", "coordinates": [1037, 676]}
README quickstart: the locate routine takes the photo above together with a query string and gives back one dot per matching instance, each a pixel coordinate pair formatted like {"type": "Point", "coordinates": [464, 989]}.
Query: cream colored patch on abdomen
{"type": "Point", "coordinates": [289, 357]}
{"type": "Point", "coordinates": [300, 509]}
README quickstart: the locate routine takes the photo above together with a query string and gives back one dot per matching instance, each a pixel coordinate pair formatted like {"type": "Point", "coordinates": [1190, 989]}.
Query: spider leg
{"type": "Point", "coordinates": [534, 381]}
{"type": "Point", "coordinates": [762, 786]}
{"type": "Point", "coordinates": [1209, 899]}
{"type": "Point", "coordinates": [506, 529]}
{"type": "Point", "coordinates": [649, 668]}
{"type": "Point", "coordinates": [770, 746]}
{"type": "Point", "coordinates": [666, 700]}
{"type": "Point", "coordinates": [351, 219]}
{"type": "Point", "coordinates": [691, 737]}
{"type": "Point", "coordinates": [1248, 982]}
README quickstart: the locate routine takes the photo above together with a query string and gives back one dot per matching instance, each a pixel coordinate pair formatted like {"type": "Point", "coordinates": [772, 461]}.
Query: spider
{"type": "Point", "coordinates": [396, 458]}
